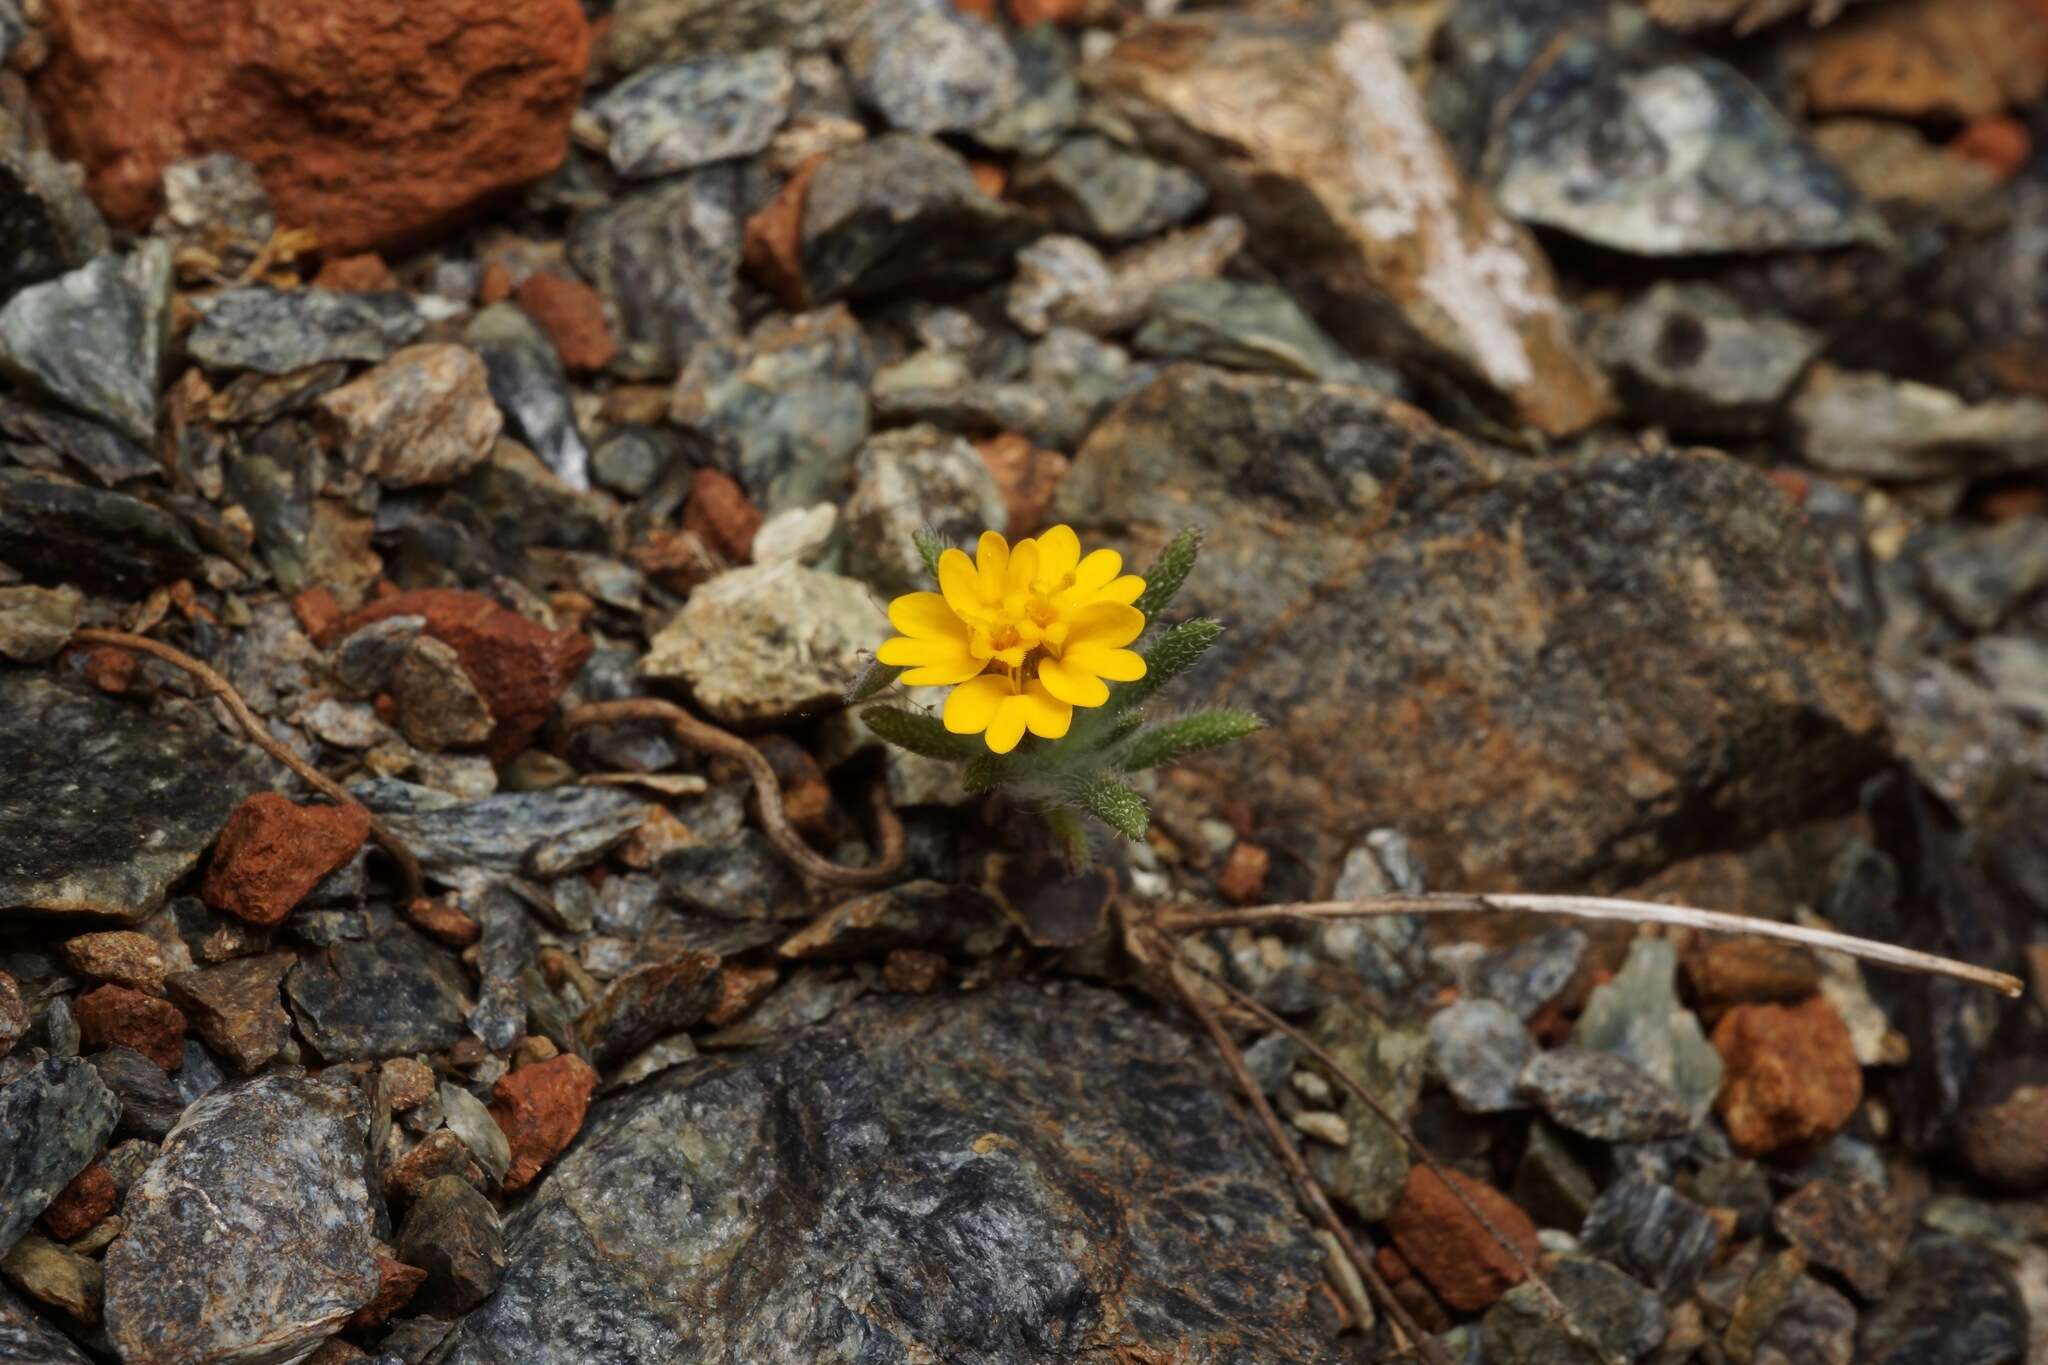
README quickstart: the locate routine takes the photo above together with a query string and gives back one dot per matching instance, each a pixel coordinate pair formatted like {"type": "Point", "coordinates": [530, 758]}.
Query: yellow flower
{"type": "Point", "coordinates": [1022, 634]}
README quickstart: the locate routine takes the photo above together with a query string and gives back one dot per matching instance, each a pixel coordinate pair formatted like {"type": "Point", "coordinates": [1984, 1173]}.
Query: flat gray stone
{"type": "Point", "coordinates": [93, 339]}
{"type": "Point", "coordinates": [393, 995]}
{"type": "Point", "coordinates": [495, 833]}
{"type": "Point", "coordinates": [691, 113]}
{"type": "Point", "coordinates": [277, 331]}
{"type": "Point", "coordinates": [53, 1121]}
{"type": "Point", "coordinates": [248, 1238]}
{"type": "Point", "coordinates": [666, 259]}
{"type": "Point", "coordinates": [104, 807]}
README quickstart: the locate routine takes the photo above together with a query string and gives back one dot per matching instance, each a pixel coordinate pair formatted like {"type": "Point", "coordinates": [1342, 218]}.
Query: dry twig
{"type": "Point", "coordinates": [253, 729]}
{"type": "Point", "coordinates": [709, 739]}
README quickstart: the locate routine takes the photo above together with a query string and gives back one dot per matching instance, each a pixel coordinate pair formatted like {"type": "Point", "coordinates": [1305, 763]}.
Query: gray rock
{"type": "Point", "coordinates": [1064, 282]}
{"type": "Point", "coordinates": [1390, 1060]}
{"type": "Point", "coordinates": [1604, 1095]}
{"type": "Point", "coordinates": [469, 1120]}
{"type": "Point", "coordinates": [643, 32]}
{"type": "Point", "coordinates": [217, 203]}
{"type": "Point", "coordinates": [494, 834]}
{"type": "Point", "coordinates": [1250, 327]}
{"type": "Point", "coordinates": [1980, 574]}
{"type": "Point", "coordinates": [1048, 97]}
{"type": "Point", "coordinates": [666, 259]}
{"type": "Point", "coordinates": [1654, 1233]}
{"type": "Point", "coordinates": [1694, 360]}
{"type": "Point", "coordinates": [1951, 1302]}
{"type": "Point", "coordinates": [691, 113]}
{"type": "Point", "coordinates": [1637, 1015]}
{"type": "Point", "coordinates": [54, 1119]}
{"type": "Point", "coordinates": [505, 950]}
{"type": "Point", "coordinates": [629, 460]}
{"type": "Point", "coordinates": [647, 1003]}
{"type": "Point", "coordinates": [740, 878]}
{"type": "Point", "coordinates": [26, 1339]}
{"type": "Point", "coordinates": [923, 1199]}
{"type": "Point", "coordinates": [1551, 1184]}
{"type": "Point", "coordinates": [1529, 975]}
{"type": "Point", "coordinates": [47, 223]}
{"type": "Point", "coordinates": [249, 1237]}
{"type": "Point", "coordinates": [768, 642]}
{"type": "Point", "coordinates": [1885, 428]}
{"type": "Point", "coordinates": [36, 622]}
{"type": "Point", "coordinates": [1619, 1317]}
{"type": "Point", "coordinates": [912, 479]}
{"type": "Point", "coordinates": [927, 67]}
{"type": "Point", "coordinates": [1578, 645]}
{"type": "Point", "coordinates": [391, 996]}
{"type": "Point", "coordinates": [1625, 139]}
{"type": "Point", "coordinates": [103, 808]}
{"type": "Point", "coordinates": [452, 1233]}
{"type": "Point", "coordinates": [234, 1005]}
{"type": "Point", "coordinates": [107, 455]}
{"type": "Point", "coordinates": [531, 389]}
{"type": "Point", "coordinates": [1816, 1325]}
{"type": "Point", "coordinates": [93, 339]}
{"type": "Point", "coordinates": [1478, 1048]}
{"type": "Point", "coordinates": [785, 409]}
{"type": "Point", "coordinates": [150, 1102]}
{"type": "Point", "coordinates": [278, 331]}
{"type": "Point", "coordinates": [902, 212]}
{"type": "Point", "coordinates": [1095, 188]}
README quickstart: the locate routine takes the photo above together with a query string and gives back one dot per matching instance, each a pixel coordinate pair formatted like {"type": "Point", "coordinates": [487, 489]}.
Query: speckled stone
{"type": "Point", "coordinates": [53, 1122]}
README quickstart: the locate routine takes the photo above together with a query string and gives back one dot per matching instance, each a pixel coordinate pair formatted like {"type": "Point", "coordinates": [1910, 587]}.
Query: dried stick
{"type": "Point", "coordinates": [1600, 908]}
{"type": "Point", "coordinates": [1551, 1302]}
{"type": "Point", "coordinates": [253, 729]}
{"type": "Point", "coordinates": [1305, 1183]}
{"type": "Point", "coordinates": [775, 824]}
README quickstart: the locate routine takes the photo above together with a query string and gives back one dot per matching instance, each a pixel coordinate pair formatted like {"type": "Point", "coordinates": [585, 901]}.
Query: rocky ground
{"type": "Point", "coordinates": [1620, 427]}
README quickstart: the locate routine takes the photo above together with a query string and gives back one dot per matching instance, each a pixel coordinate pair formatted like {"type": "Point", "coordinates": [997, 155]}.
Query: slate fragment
{"type": "Point", "coordinates": [279, 331]}
{"type": "Point", "coordinates": [393, 995]}
{"type": "Point", "coordinates": [54, 1119]}
{"type": "Point", "coordinates": [105, 541]}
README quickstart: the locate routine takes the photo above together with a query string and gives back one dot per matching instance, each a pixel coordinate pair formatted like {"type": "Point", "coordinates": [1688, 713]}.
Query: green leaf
{"type": "Point", "coordinates": [878, 676]}
{"type": "Point", "coordinates": [920, 733]}
{"type": "Point", "coordinates": [985, 772]}
{"type": "Point", "coordinates": [1177, 739]}
{"type": "Point", "coordinates": [929, 548]}
{"type": "Point", "coordinates": [1166, 658]}
{"type": "Point", "coordinates": [1068, 828]}
{"type": "Point", "coordinates": [1114, 804]}
{"type": "Point", "coordinates": [1169, 571]}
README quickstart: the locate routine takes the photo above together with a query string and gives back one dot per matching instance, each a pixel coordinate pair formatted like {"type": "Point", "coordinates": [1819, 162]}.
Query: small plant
{"type": "Point", "coordinates": [1036, 642]}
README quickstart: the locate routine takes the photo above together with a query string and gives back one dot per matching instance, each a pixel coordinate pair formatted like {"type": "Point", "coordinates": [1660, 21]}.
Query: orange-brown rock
{"type": "Point", "coordinates": [446, 921]}
{"type": "Point", "coordinates": [79, 1206]}
{"type": "Point", "coordinates": [1958, 58]}
{"type": "Point", "coordinates": [572, 314]}
{"type": "Point", "coordinates": [121, 956]}
{"type": "Point", "coordinates": [720, 512]}
{"type": "Point", "coordinates": [1028, 476]}
{"type": "Point", "coordinates": [1999, 143]}
{"type": "Point", "coordinates": [275, 850]}
{"type": "Point", "coordinates": [518, 665]}
{"type": "Point", "coordinates": [771, 243]}
{"type": "Point", "coordinates": [541, 1108]}
{"type": "Point", "coordinates": [1725, 971]}
{"type": "Point", "coordinates": [397, 1282]}
{"type": "Point", "coordinates": [1790, 1078]}
{"type": "Point", "coordinates": [1244, 872]}
{"type": "Point", "coordinates": [114, 1015]}
{"type": "Point", "coordinates": [363, 273]}
{"type": "Point", "coordinates": [318, 612]}
{"type": "Point", "coordinates": [109, 669]}
{"type": "Point", "coordinates": [369, 121]}
{"type": "Point", "coordinates": [1447, 1246]}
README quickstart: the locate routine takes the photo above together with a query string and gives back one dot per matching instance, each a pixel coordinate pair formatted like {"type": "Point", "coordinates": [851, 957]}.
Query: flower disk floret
{"type": "Point", "coordinates": [1023, 634]}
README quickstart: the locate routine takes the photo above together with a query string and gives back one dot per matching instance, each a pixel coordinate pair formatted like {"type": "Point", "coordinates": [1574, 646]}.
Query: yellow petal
{"type": "Point", "coordinates": [959, 582]}
{"type": "Point", "coordinates": [1023, 566]}
{"type": "Point", "coordinates": [1105, 623]}
{"type": "Point", "coordinates": [992, 557]}
{"type": "Point", "coordinates": [1075, 686]}
{"type": "Point", "coordinates": [1126, 590]}
{"type": "Point", "coordinates": [1044, 714]}
{"type": "Point", "coordinates": [1059, 550]}
{"type": "Point", "coordinates": [1117, 665]}
{"type": "Point", "coordinates": [974, 703]}
{"type": "Point", "coordinates": [941, 675]}
{"type": "Point", "coordinates": [1008, 726]}
{"type": "Point", "coordinates": [925, 615]}
{"type": "Point", "coordinates": [1095, 572]}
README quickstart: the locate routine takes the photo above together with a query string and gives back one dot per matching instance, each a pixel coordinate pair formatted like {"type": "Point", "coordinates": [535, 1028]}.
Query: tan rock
{"type": "Point", "coordinates": [425, 416]}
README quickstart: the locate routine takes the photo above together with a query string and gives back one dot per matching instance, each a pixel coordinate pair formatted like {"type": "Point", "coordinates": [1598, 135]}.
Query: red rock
{"type": "Point", "coordinates": [109, 669]}
{"type": "Point", "coordinates": [770, 242]}
{"type": "Point", "coordinates": [1025, 13]}
{"type": "Point", "coordinates": [364, 273]}
{"type": "Point", "coordinates": [540, 1108]}
{"type": "Point", "coordinates": [519, 666]}
{"type": "Point", "coordinates": [980, 9]}
{"type": "Point", "coordinates": [572, 314]}
{"type": "Point", "coordinates": [371, 122]}
{"type": "Point", "coordinates": [1747, 971]}
{"type": "Point", "coordinates": [1447, 1246]}
{"type": "Point", "coordinates": [1028, 476]}
{"type": "Point", "coordinates": [319, 614]}
{"type": "Point", "coordinates": [913, 971]}
{"type": "Point", "coordinates": [1998, 142]}
{"type": "Point", "coordinates": [990, 177]}
{"type": "Point", "coordinates": [79, 1206]}
{"type": "Point", "coordinates": [1790, 1077]}
{"type": "Point", "coordinates": [275, 850]}
{"type": "Point", "coordinates": [446, 922]}
{"type": "Point", "coordinates": [1244, 873]}
{"type": "Point", "coordinates": [397, 1282]}
{"type": "Point", "coordinates": [111, 1015]}
{"type": "Point", "coordinates": [740, 988]}
{"type": "Point", "coordinates": [439, 1153]}
{"type": "Point", "coordinates": [1966, 58]}
{"type": "Point", "coordinates": [722, 515]}
{"type": "Point", "coordinates": [496, 284]}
